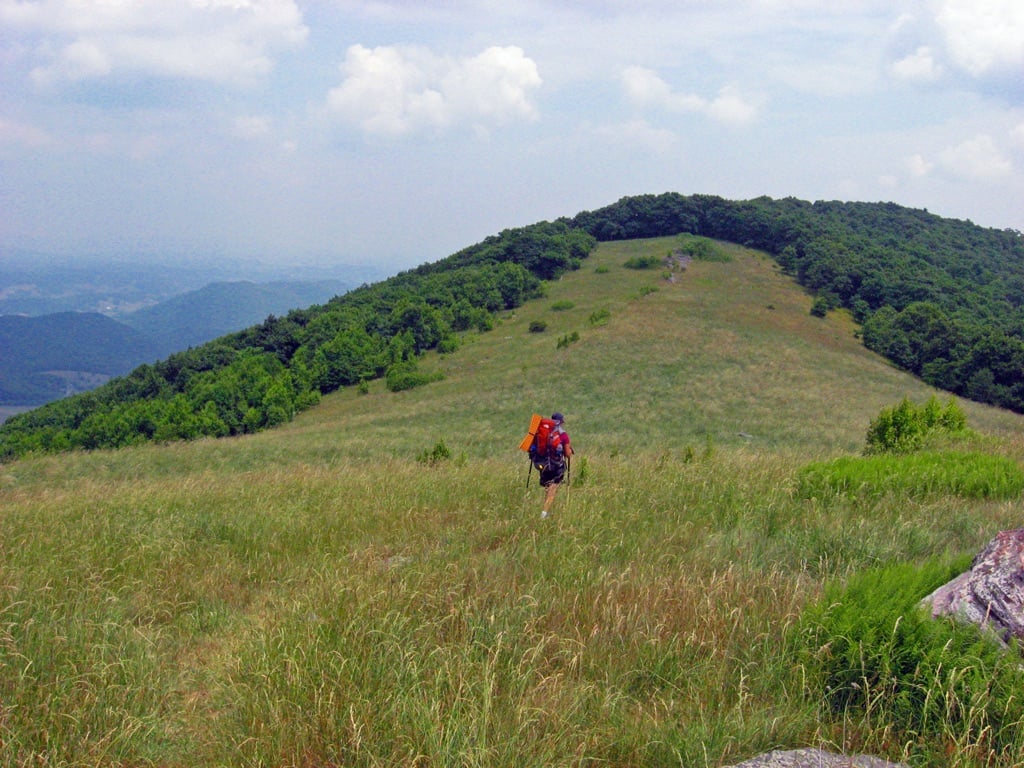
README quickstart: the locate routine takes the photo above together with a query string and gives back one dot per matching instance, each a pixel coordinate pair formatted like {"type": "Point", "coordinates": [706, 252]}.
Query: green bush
{"type": "Point", "coordinates": [538, 326]}
{"type": "Point", "coordinates": [440, 452]}
{"type": "Point", "coordinates": [905, 427]}
{"type": "Point", "coordinates": [562, 306]}
{"type": "Point", "coordinates": [872, 651]}
{"type": "Point", "coordinates": [702, 249]}
{"type": "Point", "coordinates": [567, 339]}
{"type": "Point", "coordinates": [966, 474]}
{"type": "Point", "coordinates": [402, 376]}
{"type": "Point", "coordinates": [600, 317]}
{"type": "Point", "coordinates": [643, 262]}
{"type": "Point", "coordinates": [448, 344]}
{"type": "Point", "coordinates": [824, 304]}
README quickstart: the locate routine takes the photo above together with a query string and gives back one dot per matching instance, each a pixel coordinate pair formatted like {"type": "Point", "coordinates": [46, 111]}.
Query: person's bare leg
{"type": "Point", "coordinates": [549, 497]}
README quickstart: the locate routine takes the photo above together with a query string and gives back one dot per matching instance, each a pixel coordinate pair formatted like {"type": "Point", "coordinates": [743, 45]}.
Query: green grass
{"type": "Point", "coordinates": [949, 473]}
{"type": "Point", "coordinates": [320, 595]}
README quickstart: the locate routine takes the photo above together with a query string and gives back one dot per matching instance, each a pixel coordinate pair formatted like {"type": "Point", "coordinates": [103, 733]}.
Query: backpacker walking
{"type": "Point", "coordinates": [551, 452]}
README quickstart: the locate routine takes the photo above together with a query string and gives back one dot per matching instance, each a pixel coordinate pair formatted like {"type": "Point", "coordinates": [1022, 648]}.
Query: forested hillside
{"type": "Point", "coordinates": [941, 298]}
{"type": "Point", "coordinates": [195, 317]}
{"type": "Point", "coordinates": [45, 357]}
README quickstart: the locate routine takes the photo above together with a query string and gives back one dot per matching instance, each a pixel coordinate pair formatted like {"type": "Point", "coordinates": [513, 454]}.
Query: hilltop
{"type": "Point", "coordinates": [727, 352]}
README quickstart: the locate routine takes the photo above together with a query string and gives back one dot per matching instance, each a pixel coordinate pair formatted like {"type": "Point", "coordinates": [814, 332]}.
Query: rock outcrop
{"type": "Point", "coordinates": [814, 758]}
{"type": "Point", "coordinates": [991, 593]}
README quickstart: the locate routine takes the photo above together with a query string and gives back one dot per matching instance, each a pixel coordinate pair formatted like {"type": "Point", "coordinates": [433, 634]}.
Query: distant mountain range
{"type": "Point", "coordinates": [196, 317]}
{"type": "Point", "coordinates": [48, 357]}
{"type": "Point", "coordinates": [52, 356]}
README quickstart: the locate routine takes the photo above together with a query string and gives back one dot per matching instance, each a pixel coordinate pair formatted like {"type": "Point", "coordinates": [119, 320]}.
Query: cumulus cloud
{"type": "Point", "coordinates": [920, 65]}
{"type": "Point", "coordinates": [397, 90]}
{"type": "Point", "coordinates": [976, 158]}
{"type": "Point", "coordinates": [645, 88]}
{"type": "Point", "coordinates": [224, 41]}
{"type": "Point", "coordinates": [984, 36]}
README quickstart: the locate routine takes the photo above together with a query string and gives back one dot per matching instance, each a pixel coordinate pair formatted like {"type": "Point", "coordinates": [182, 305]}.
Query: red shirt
{"type": "Point", "coordinates": [563, 440]}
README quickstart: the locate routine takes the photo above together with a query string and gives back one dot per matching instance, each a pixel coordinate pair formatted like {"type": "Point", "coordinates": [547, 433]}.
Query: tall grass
{"type": "Point", "coordinates": [969, 474]}
{"type": "Point", "coordinates": [393, 613]}
{"type": "Point", "coordinates": [320, 596]}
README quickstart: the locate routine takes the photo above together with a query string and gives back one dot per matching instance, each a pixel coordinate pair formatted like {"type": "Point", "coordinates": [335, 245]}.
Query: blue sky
{"type": "Point", "coordinates": [396, 132]}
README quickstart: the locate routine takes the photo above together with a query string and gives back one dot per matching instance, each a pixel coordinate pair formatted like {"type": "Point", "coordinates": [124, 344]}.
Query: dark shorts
{"type": "Point", "coordinates": [553, 472]}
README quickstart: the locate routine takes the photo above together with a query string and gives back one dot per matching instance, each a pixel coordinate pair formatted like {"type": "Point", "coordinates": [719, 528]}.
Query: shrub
{"type": "Point", "coordinates": [904, 428]}
{"type": "Point", "coordinates": [538, 326]}
{"type": "Point", "coordinates": [820, 307]}
{"type": "Point", "coordinates": [448, 344]}
{"type": "Point", "coordinates": [568, 339]}
{"type": "Point", "coordinates": [703, 249]}
{"type": "Point", "coordinates": [402, 376]}
{"type": "Point", "coordinates": [440, 452]}
{"type": "Point", "coordinates": [562, 306]}
{"type": "Point", "coordinates": [873, 651]}
{"type": "Point", "coordinates": [643, 262]}
{"type": "Point", "coordinates": [600, 317]}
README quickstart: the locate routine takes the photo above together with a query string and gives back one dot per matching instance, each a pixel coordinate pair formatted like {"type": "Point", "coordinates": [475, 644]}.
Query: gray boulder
{"type": "Point", "coordinates": [991, 593]}
{"type": "Point", "coordinates": [814, 758]}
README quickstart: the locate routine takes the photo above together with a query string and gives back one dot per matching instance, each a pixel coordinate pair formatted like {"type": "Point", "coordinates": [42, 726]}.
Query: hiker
{"type": "Point", "coordinates": [554, 468]}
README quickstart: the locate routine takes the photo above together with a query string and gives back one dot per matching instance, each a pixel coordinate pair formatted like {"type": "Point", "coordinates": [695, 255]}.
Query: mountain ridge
{"type": "Point", "coordinates": [942, 299]}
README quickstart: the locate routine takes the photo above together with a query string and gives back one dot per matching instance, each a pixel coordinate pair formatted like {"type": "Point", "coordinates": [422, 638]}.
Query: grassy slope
{"type": "Point", "coordinates": [729, 348]}
{"type": "Point", "coordinates": [315, 596]}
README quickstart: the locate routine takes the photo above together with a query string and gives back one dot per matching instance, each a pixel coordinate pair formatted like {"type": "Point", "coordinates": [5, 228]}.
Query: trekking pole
{"type": "Point", "coordinates": [568, 483]}
{"type": "Point", "coordinates": [529, 472]}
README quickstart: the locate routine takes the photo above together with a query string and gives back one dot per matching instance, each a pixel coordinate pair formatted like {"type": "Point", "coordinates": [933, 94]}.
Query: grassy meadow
{"type": "Point", "coordinates": [320, 596]}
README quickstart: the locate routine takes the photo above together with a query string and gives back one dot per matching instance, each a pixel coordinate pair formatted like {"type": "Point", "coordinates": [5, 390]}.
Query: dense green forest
{"type": "Point", "coordinates": [941, 298]}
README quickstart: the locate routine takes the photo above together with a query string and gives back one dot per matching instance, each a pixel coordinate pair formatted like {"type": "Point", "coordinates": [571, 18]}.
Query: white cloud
{"type": "Point", "coordinates": [12, 132]}
{"type": "Point", "coordinates": [1017, 135]}
{"type": "Point", "coordinates": [645, 88]}
{"type": "Point", "coordinates": [918, 166]}
{"type": "Point", "coordinates": [252, 126]}
{"type": "Point", "coordinates": [398, 90]}
{"type": "Point", "coordinates": [984, 36]}
{"type": "Point", "coordinates": [920, 65]}
{"type": "Point", "coordinates": [976, 158]}
{"type": "Point", "coordinates": [224, 41]}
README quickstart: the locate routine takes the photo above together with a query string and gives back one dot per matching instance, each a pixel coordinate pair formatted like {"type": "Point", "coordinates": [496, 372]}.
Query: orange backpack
{"type": "Point", "coordinates": [541, 438]}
